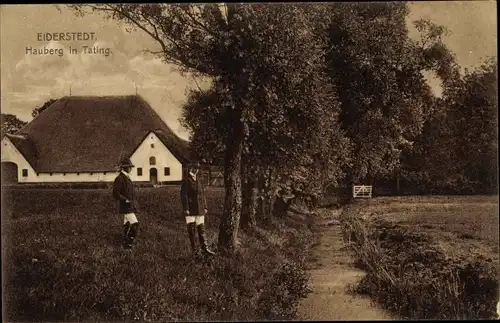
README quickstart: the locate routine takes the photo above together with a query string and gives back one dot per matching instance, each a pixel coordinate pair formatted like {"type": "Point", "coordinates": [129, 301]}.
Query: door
{"type": "Point", "coordinates": [153, 176]}
{"type": "Point", "coordinates": [9, 173]}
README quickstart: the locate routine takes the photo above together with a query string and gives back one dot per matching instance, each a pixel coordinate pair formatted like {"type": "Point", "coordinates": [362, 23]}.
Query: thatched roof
{"type": "Point", "coordinates": [92, 134]}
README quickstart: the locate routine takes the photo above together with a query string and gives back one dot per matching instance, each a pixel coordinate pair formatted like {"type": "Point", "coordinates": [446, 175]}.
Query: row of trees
{"type": "Point", "coordinates": [457, 150]}
{"type": "Point", "coordinates": [306, 96]}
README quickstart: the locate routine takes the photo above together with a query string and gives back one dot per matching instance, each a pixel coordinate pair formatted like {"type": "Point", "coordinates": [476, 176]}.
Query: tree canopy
{"type": "Point", "coordinates": [378, 71]}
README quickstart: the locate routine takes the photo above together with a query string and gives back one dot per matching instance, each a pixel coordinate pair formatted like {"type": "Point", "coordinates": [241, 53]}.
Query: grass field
{"type": "Point", "coordinates": [428, 257]}
{"type": "Point", "coordinates": [462, 225]}
{"type": "Point", "coordinates": [63, 260]}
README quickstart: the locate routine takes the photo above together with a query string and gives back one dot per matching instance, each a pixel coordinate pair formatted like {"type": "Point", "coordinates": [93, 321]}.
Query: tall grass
{"type": "Point", "coordinates": [63, 260]}
{"type": "Point", "coordinates": [410, 275]}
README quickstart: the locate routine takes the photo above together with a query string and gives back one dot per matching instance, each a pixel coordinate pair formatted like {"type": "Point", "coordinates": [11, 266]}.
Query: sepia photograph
{"type": "Point", "coordinates": [253, 161]}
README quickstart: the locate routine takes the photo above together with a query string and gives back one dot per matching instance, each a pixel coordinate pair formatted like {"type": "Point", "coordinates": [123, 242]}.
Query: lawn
{"type": "Point", "coordinates": [430, 257]}
{"type": "Point", "coordinates": [63, 260]}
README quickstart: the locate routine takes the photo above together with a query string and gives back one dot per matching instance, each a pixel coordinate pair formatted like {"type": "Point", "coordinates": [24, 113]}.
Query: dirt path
{"type": "Point", "coordinates": [331, 278]}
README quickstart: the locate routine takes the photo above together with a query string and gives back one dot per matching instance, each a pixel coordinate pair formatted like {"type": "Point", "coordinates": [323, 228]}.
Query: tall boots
{"type": "Point", "coordinates": [130, 232]}
{"type": "Point", "coordinates": [203, 239]}
{"type": "Point", "coordinates": [192, 228]}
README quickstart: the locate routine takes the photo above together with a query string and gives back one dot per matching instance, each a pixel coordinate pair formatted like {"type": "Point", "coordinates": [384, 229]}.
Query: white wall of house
{"type": "Point", "coordinates": [12, 155]}
{"type": "Point", "coordinates": [152, 146]}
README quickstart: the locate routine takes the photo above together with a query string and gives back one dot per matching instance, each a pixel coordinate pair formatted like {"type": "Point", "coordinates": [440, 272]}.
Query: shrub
{"type": "Point", "coordinates": [288, 285]}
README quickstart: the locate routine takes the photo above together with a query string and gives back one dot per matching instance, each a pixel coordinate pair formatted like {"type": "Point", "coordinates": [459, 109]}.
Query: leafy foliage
{"type": "Point", "coordinates": [11, 124]}
{"type": "Point", "coordinates": [457, 151]}
{"type": "Point", "coordinates": [378, 69]}
{"type": "Point", "coordinates": [290, 111]}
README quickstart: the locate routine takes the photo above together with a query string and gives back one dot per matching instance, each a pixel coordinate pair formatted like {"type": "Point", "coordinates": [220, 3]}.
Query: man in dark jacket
{"type": "Point", "coordinates": [123, 192]}
{"type": "Point", "coordinates": [195, 207]}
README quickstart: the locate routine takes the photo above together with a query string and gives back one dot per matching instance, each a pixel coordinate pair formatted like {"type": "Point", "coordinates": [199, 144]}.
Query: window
{"type": "Point", "coordinates": [104, 173]}
{"type": "Point", "coordinates": [152, 160]}
{"type": "Point", "coordinates": [25, 173]}
{"type": "Point", "coordinates": [50, 174]}
{"type": "Point", "coordinates": [139, 171]}
{"type": "Point", "coordinates": [152, 145]}
{"type": "Point", "coordinates": [167, 171]}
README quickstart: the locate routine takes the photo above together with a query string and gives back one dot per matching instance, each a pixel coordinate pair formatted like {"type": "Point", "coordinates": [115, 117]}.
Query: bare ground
{"type": "Point", "coordinates": [331, 277]}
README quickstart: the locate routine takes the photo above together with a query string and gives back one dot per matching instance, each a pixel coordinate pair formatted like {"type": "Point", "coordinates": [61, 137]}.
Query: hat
{"type": "Point", "coordinates": [194, 165]}
{"type": "Point", "coordinates": [126, 163]}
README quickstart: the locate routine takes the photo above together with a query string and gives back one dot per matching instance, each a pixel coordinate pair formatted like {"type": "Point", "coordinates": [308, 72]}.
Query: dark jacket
{"type": "Point", "coordinates": [123, 190]}
{"type": "Point", "coordinates": [193, 195]}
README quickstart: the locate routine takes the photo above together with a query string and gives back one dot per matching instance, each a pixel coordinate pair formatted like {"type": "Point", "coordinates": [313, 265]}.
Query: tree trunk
{"type": "Point", "coordinates": [228, 229]}
{"type": "Point", "coordinates": [267, 198]}
{"type": "Point", "coordinates": [252, 206]}
{"type": "Point", "coordinates": [398, 187]}
{"type": "Point", "coordinates": [262, 204]}
{"type": "Point", "coordinates": [250, 200]}
{"type": "Point", "coordinates": [245, 193]}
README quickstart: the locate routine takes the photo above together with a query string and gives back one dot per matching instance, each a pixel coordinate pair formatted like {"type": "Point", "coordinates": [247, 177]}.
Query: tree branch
{"type": "Point", "coordinates": [168, 54]}
{"type": "Point", "coordinates": [138, 24]}
{"type": "Point", "coordinates": [196, 22]}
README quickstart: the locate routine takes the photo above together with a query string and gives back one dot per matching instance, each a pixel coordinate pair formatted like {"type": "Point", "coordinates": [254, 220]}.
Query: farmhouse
{"type": "Point", "coordinates": [83, 139]}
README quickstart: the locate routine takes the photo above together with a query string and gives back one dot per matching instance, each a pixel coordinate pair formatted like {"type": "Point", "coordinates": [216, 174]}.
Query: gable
{"type": "Point", "coordinates": [152, 145]}
{"type": "Point", "coordinates": [11, 154]}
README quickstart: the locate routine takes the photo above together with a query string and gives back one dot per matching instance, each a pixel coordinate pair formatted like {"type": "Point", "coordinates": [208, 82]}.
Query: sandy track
{"type": "Point", "coordinates": [331, 278]}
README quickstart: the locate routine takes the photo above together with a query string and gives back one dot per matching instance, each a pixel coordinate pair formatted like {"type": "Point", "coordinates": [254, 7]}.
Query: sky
{"type": "Point", "coordinates": [28, 80]}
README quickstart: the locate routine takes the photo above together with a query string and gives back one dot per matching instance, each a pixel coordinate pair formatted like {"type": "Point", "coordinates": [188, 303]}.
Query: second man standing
{"type": "Point", "coordinates": [194, 206]}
